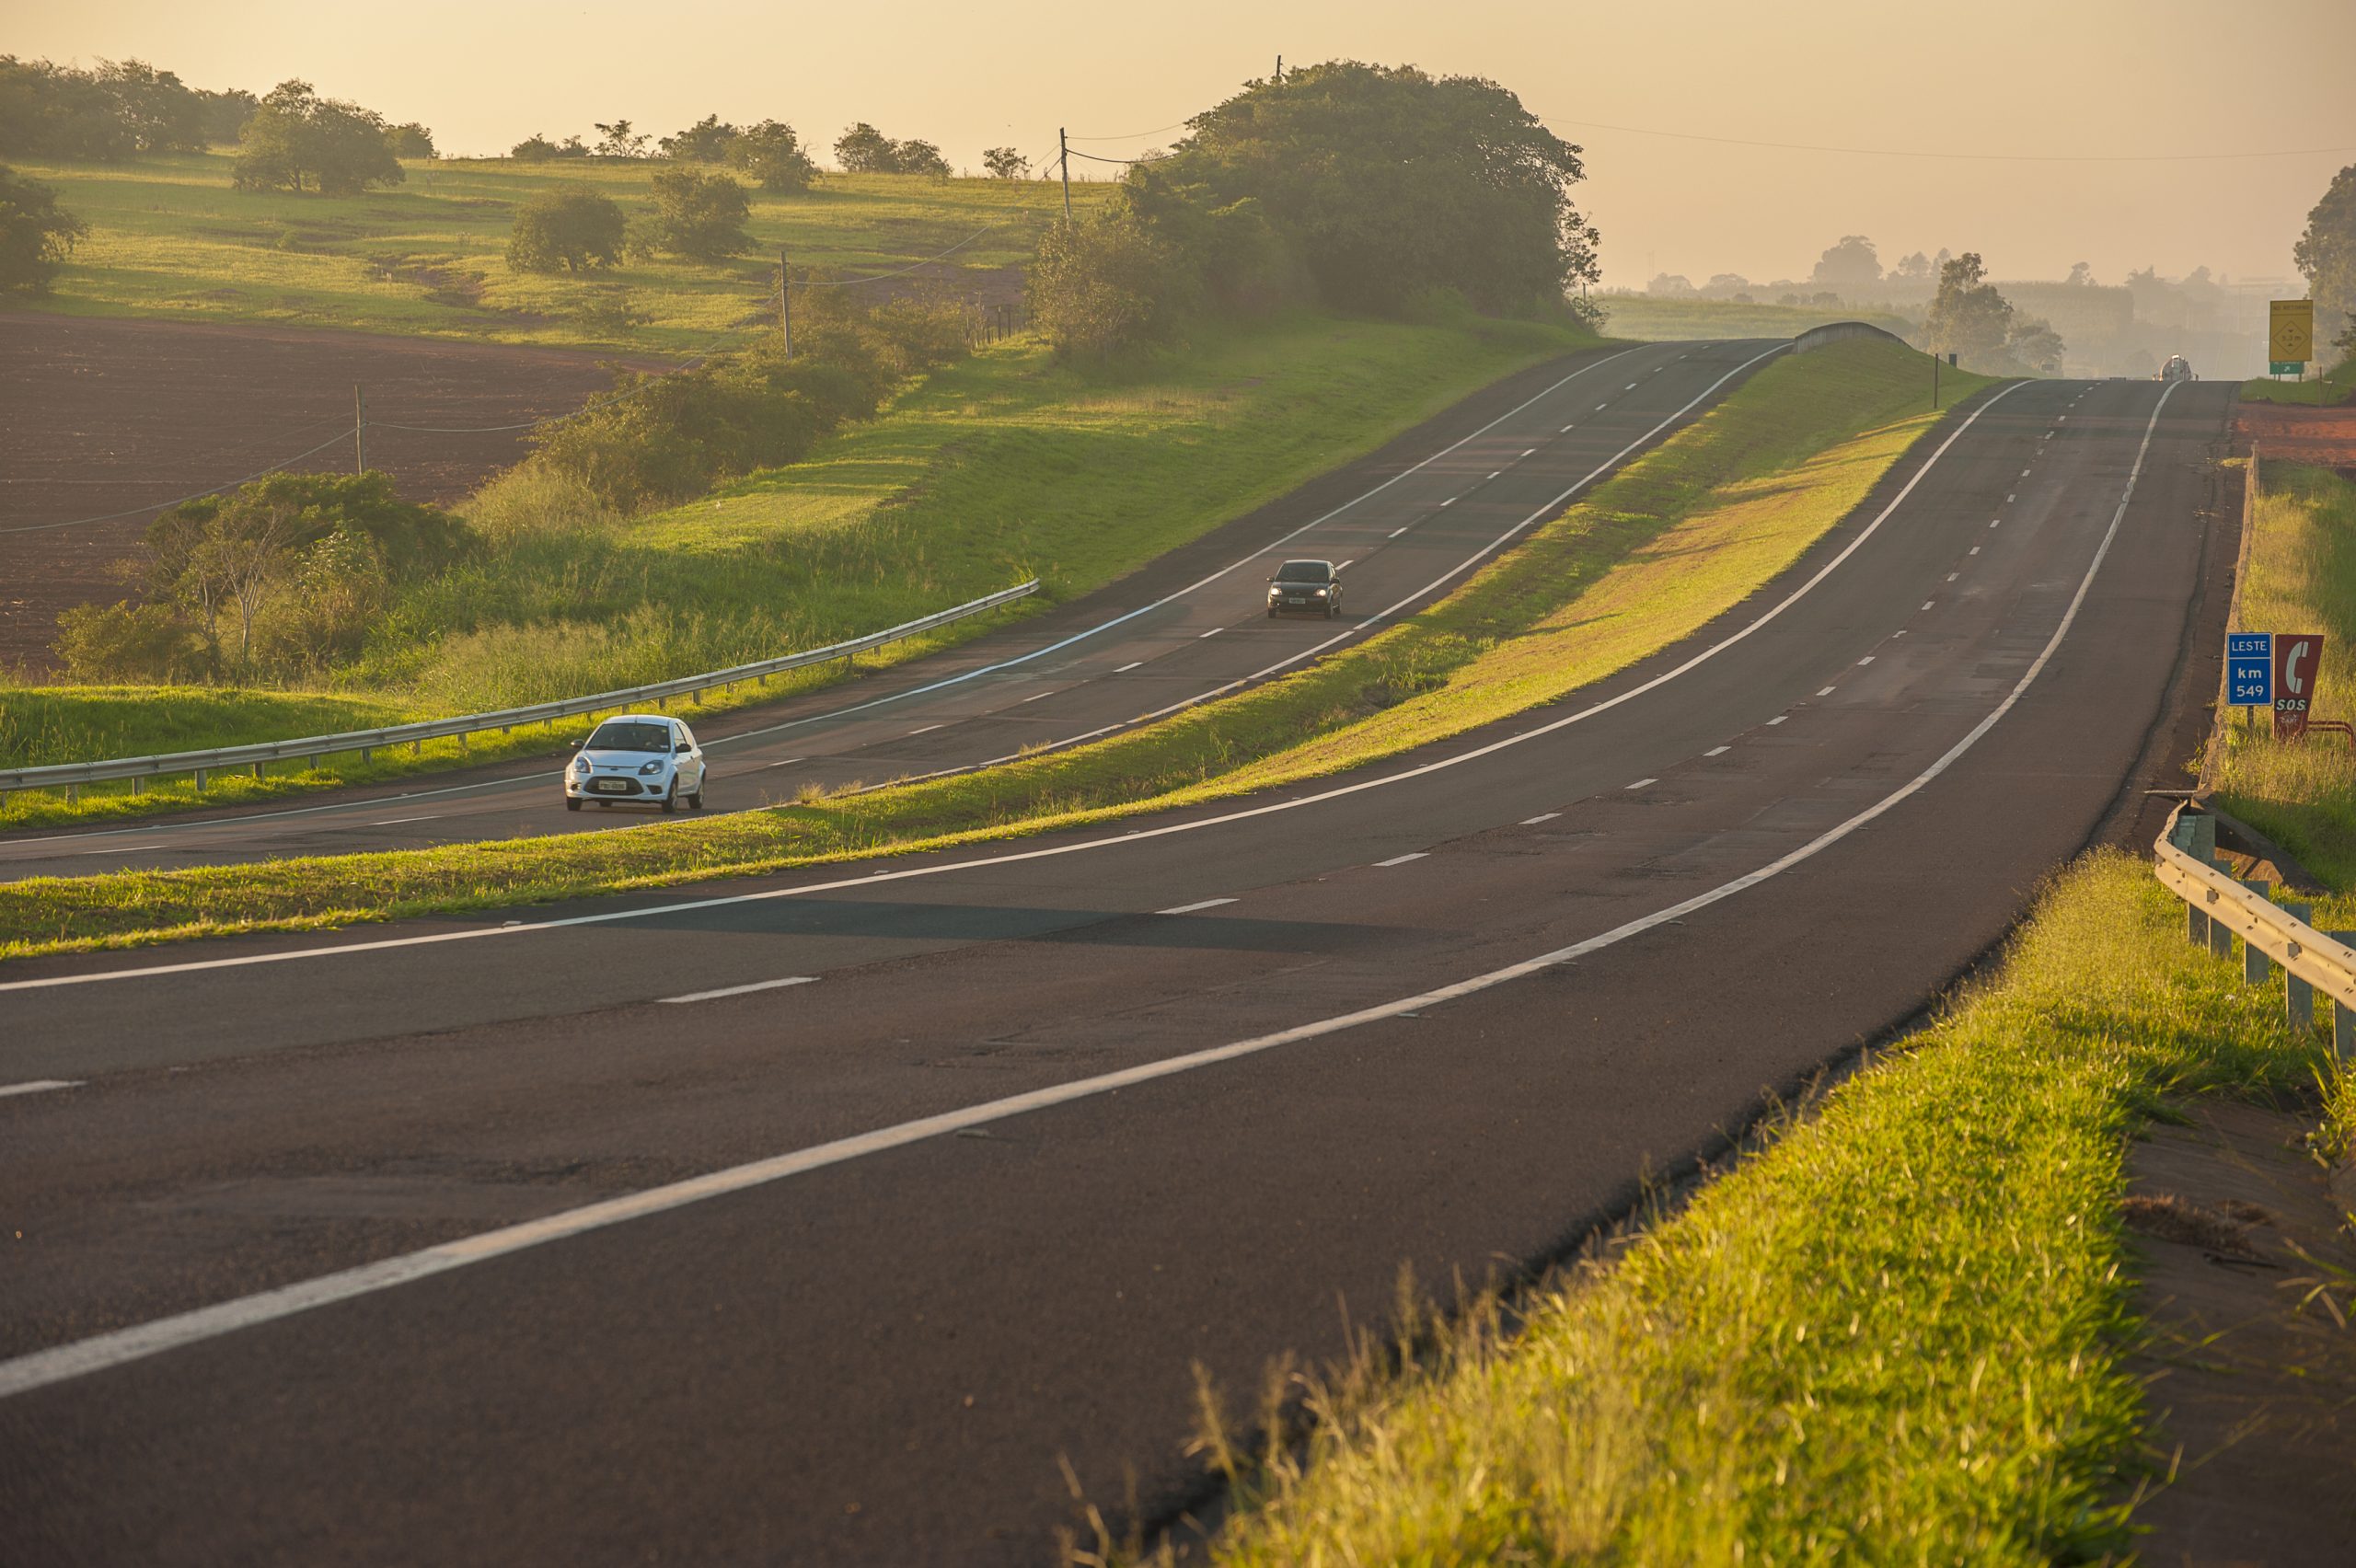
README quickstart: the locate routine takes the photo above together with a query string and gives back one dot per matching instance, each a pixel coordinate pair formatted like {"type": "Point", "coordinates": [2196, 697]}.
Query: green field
{"type": "Point", "coordinates": [1685, 533]}
{"type": "Point", "coordinates": [997, 467]}
{"type": "Point", "coordinates": [1656, 320]}
{"type": "Point", "coordinates": [169, 237]}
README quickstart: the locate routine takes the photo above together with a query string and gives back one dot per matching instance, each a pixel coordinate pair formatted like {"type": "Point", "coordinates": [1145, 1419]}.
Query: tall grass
{"type": "Point", "coordinates": [1893, 1337]}
{"type": "Point", "coordinates": [2302, 577]}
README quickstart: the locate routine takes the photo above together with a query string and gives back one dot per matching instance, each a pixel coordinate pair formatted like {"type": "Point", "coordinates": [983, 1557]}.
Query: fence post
{"type": "Point", "coordinates": [2298, 997]}
{"type": "Point", "coordinates": [2256, 966]}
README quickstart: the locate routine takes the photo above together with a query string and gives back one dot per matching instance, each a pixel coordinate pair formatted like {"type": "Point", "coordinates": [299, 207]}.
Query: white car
{"type": "Point", "coordinates": [639, 758]}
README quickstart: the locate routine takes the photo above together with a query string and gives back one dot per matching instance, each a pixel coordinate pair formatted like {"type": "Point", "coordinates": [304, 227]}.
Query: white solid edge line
{"type": "Point", "coordinates": [1640, 783]}
{"type": "Point", "coordinates": [1401, 859]}
{"type": "Point", "coordinates": [1779, 718]}
{"type": "Point", "coordinates": [1717, 751]}
{"type": "Point", "coordinates": [1198, 905]}
{"type": "Point", "coordinates": [1541, 816]}
{"type": "Point", "coordinates": [81, 1358]}
{"type": "Point", "coordinates": [953, 680]}
{"type": "Point", "coordinates": [38, 1086]}
{"type": "Point", "coordinates": [742, 990]}
{"type": "Point", "coordinates": [1132, 836]}
{"type": "Point", "coordinates": [1126, 668]}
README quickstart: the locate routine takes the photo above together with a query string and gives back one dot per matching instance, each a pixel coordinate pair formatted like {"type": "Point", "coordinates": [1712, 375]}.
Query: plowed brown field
{"type": "Point", "coordinates": [100, 416]}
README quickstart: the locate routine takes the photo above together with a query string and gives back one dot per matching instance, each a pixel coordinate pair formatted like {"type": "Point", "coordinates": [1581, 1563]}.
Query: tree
{"type": "Point", "coordinates": [155, 107]}
{"type": "Point", "coordinates": [226, 113]}
{"type": "Point", "coordinates": [1670, 283]}
{"type": "Point", "coordinates": [2082, 274]}
{"type": "Point", "coordinates": [707, 141]}
{"type": "Point", "coordinates": [574, 229]}
{"type": "Point", "coordinates": [1102, 284]}
{"type": "Point", "coordinates": [920, 157]}
{"type": "Point", "coordinates": [537, 148]}
{"type": "Point", "coordinates": [411, 141]}
{"type": "Point", "coordinates": [2326, 256]}
{"type": "Point", "coordinates": [618, 140]}
{"type": "Point", "coordinates": [1850, 263]}
{"type": "Point", "coordinates": [36, 233]}
{"type": "Point", "coordinates": [51, 111]}
{"type": "Point", "coordinates": [1968, 317]}
{"type": "Point", "coordinates": [698, 216]}
{"type": "Point", "coordinates": [1912, 266]}
{"type": "Point", "coordinates": [2033, 345]}
{"type": "Point", "coordinates": [771, 153]}
{"type": "Point", "coordinates": [1005, 163]}
{"type": "Point", "coordinates": [341, 148]}
{"type": "Point", "coordinates": [863, 149]}
{"type": "Point", "coordinates": [1389, 184]}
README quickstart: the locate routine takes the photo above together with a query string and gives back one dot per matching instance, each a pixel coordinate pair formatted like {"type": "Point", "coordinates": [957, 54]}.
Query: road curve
{"type": "Point", "coordinates": [595, 1240]}
{"type": "Point", "coordinates": [1410, 521]}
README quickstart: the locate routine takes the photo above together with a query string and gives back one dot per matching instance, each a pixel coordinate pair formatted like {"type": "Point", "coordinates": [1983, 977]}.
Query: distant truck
{"type": "Point", "coordinates": [2177, 369]}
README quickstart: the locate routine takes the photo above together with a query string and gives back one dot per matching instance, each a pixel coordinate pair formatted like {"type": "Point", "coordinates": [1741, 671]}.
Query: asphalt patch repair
{"type": "Point", "coordinates": [2249, 1274]}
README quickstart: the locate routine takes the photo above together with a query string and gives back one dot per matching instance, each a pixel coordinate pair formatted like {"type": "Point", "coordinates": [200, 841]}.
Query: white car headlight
{"type": "Point", "coordinates": [652, 767]}
{"type": "Point", "coordinates": [581, 765]}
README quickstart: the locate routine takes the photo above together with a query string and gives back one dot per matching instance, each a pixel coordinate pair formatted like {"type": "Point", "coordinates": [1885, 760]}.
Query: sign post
{"type": "Point", "coordinates": [2289, 336]}
{"type": "Point", "coordinates": [2296, 655]}
{"type": "Point", "coordinates": [2249, 669]}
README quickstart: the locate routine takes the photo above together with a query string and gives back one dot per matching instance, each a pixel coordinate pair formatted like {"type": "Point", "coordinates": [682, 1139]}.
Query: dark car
{"type": "Point", "coordinates": [1312, 587]}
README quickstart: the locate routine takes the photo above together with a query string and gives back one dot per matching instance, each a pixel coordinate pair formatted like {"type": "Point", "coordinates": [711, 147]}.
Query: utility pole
{"type": "Point", "coordinates": [1063, 161]}
{"type": "Point", "coordinates": [1280, 70]}
{"type": "Point", "coordinates": [359, 423]}
{"type": "Point", "coordinates": [785, 301]}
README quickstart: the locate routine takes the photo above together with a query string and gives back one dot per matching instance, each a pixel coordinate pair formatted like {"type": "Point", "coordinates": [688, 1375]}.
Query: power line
{"type": "Point", "coordinates": [1092, 158]}
{"type": "Point", "coordinates": [904, 272]}
{"type": "Point", "coordinates": [1907, 153]}
{"type": "Point", "coordinates": [1133, 135]}
{"type": "Point", "coordinates": [336, 440]}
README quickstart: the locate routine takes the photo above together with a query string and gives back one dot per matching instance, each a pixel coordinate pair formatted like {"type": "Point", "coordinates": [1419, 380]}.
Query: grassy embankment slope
{"type": "Point", "coordinates": [1685, 533]}
{"type": "Point", "coordinates": [997, 467]}
{"type": "Point", "coordinates": [169, 237]}
{"type": "Point", "coordinates": [2302, 577]}
{"type": "Point", "coordinates": [1667, 319]}
{"type": "Point", "coordinates": [2338, 385]}
{"type": "Point", "coordinates": [1897, 1333]}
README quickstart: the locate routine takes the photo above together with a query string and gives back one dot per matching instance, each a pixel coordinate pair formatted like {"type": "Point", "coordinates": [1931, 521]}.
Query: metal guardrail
{"type": "Point", "coordinates": [72, 775]}
{"type": "Point", "coordinates": [2220, 907]}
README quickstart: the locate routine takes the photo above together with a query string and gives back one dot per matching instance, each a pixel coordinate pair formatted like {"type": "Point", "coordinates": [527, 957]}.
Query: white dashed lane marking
{"type": "Point", "coordinates": [1717, 751]}
{"type": "Point", "coordinates": [1191, 909]}
{"type": "Point", "coordinates": [1541, 816]}
{"type": "Point", "coordinates": [1403, 859]}
{"type": "Point", "coordinates": [1640, 783]}
{"type": "Point", "coordinates": [1827, 691]}
{"type": "Point", "coordinates": [1126, 668]}
{"type": "Point", "coordinates": [38, 1086]}
{"type": "Point", "coordinates": [743, 990]}
{"type": "Point", "coordinates": [1781, 717]}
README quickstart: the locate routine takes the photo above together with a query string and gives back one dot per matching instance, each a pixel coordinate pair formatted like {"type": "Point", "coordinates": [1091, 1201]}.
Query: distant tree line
{"type": "Point", "coordinates": [1368, 188]}
{"type": "Point", "coordinates": [770, 153]}
{"type": "Point", "coordinates": [121, 109]}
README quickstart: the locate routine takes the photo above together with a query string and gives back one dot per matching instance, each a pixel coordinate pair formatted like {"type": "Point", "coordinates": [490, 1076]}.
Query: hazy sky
{"type": "Point", "coordinates": [2085, 78]}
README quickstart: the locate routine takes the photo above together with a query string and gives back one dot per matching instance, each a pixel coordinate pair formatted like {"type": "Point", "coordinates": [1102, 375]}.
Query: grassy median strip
{"type": "Point", "coordinates": [1892, 1335]}
{"type": "Point", "coordinates": [2301, 578]}
{"type": "Point", "coordinates": [1685, 533]}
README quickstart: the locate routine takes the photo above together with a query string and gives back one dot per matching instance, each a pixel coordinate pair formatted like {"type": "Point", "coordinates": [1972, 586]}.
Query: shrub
{"type": "Point", "coordinates": [698, 216]}
{"type": "Point", "coordinates": [574, 229]}
{"type": "Point", "coordinates": [130, 643]}
{"type": "Point", "coordinates": [771, 153]}
{"type": "Point", "coordinates": [36, 233]}
{"type": "Point", "coordinates": [1104, 284]}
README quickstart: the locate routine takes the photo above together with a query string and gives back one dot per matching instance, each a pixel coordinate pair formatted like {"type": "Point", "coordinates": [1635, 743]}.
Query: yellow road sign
{"type": "Point", "coordinates": [2290, 329]}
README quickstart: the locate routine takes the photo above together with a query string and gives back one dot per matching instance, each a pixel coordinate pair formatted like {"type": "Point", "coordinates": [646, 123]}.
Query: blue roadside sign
{"type": "Point", "coordinates": [2249, 669]}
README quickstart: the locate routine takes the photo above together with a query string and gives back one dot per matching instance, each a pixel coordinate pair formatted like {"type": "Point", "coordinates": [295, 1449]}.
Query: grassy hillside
{"type": "Point", "coordinates": [997, 467]}
{"type": "Point", "coordinates": [2336, 386]}
{"type": "Point", "coordinates": [2301, 578]}
{"type": "Point", "coordinates": [168, 236]}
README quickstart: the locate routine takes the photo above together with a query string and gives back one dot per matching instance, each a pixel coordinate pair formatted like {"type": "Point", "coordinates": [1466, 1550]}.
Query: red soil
{"type": "Point", "coordinates": [100, 416]}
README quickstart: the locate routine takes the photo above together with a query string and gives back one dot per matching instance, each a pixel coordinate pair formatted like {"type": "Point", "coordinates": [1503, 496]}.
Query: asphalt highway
{"type": "Point", "coordinates": [816, 1219]}
{"type": "Point", "coordinates": [1409, 520]}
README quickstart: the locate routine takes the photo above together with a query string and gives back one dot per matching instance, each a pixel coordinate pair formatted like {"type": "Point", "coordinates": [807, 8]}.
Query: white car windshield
{"type": "Point", "coordinates": [617, 734]}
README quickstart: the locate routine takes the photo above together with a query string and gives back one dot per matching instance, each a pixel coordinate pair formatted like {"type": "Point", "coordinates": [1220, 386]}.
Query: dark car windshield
{"type": "Point", "coordinates": [1305, 572]}
{"type": "Point", "coordinates": [614, 735]}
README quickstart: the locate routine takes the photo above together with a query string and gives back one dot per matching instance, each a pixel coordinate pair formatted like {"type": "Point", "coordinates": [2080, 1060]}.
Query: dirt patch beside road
{"type": "Point", "coordinates": [2285, 431]}
{"type": "Point", "coordinates": [102, 416]}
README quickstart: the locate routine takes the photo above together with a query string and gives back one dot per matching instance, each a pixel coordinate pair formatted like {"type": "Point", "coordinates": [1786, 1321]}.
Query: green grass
{"type": "Point", "coordinates": [2301, 578]}
{"type": "Point", "coordinates": [2336, 386]}
{"type": "Point", "coordinates": [168, 236]}
{"type": "Point", "coordinates": [996, 468]}
{"type": "Point", "coordinates": [1894, 1335]}
{"type": "Point", "coordinates": [1685, 533]}
{"type": "Point", "coordinates": [1663, 320]}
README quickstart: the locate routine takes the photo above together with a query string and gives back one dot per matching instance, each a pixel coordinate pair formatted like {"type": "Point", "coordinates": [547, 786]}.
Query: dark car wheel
{"type": "Point", "coordinates": [571, 805]}
{"type": "Point", "coordinates": [671, 799]}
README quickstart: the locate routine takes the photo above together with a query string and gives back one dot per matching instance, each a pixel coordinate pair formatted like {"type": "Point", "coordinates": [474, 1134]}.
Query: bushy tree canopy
{"type": "Point", "coordinates": [119, 110]}
{"type": "Point", "coordinates": [1968, 317]}
{"type": "Point", "coordinates": [537, 148]}
{"type": "Point", "coordinates": [36, 233]}
{"type": "Point", "coordinates": [572, 228]}
{"type": "Point", "coordinates": [707, 141]}
{"type": "Point", "coordinates": [863, 149]}
{"type": "Point", "coordinates": [340, 148]}
{"type": "Point", "coordinates": [1005, 163]}
{"type": "Point", "coordinates": [411, 141]}
{"type": "Point", "coordinates": [1853, 260]}
{"type": "Point", "coordinates": [771, 153]}
{"type": "Point", "coordinates": [1390, 183]}
{"type": "Point", "coordinates": [698, 216]}
{"type": "Point", "coordinates": [2326, 255]}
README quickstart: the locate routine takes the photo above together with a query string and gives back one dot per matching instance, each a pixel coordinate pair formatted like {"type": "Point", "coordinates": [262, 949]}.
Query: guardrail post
{"type": "Point", "coordinates": [2256, 966]}
{"type": "Point", "coordinates": [199, 781]}
{"type": "Point", "coordinates": [2196, 835]}
{"type": "Point", "coordinates": [258, 767]}
{"type": "Point", "coordinates": [2221, 935]}
{"type": "Point", "coordinates": [2298, 997]}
